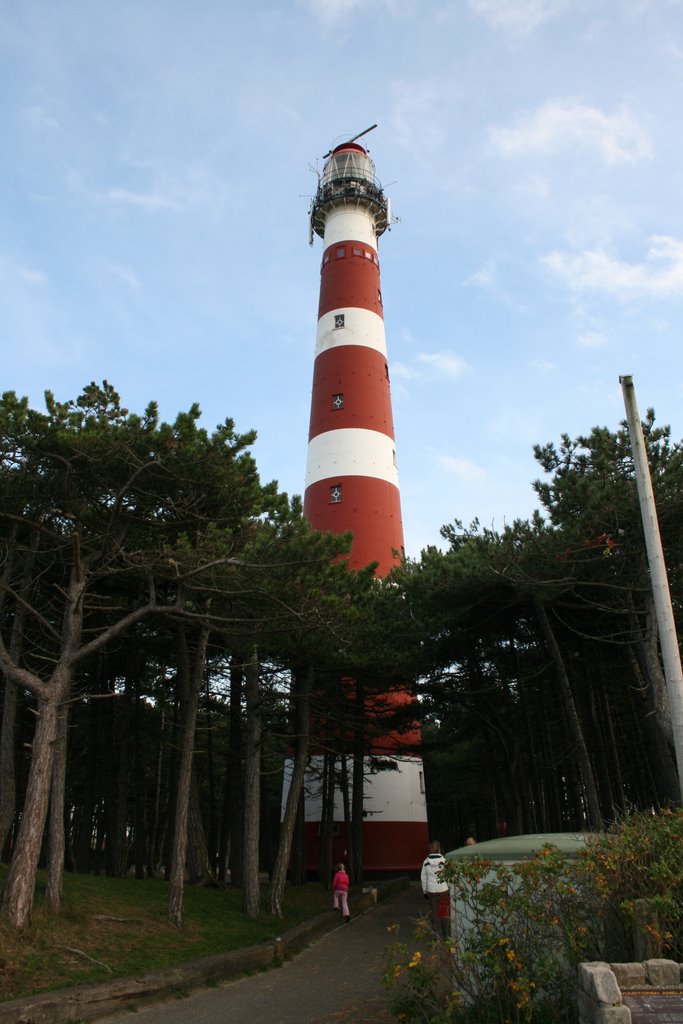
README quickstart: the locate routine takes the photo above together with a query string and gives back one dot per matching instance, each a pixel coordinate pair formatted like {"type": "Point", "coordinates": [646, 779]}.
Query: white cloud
{"type": "Point", "coordinates": [517, 16]}
{"type": "Point", "coordinates": [486, 278]}
{"type": "Point", "coordinates": [403, 372]}
{"type": "Point", "coordinates": [38, 117]}
{"type": "Point", "coordinates": [463, 468]}
{"type": "Point", "coordinates": [126, 275]}
{"type": "Point", "coordinates": [595, 270]}
{"type": "Point", "coordinates": [444, 362]}
{"type": "Point", "coordinates": [146, 200]}
{"type": "Point", "coordinates": [542, 366]}
{"type": "Point", "coordinates": [591, 339]}
{"type": "Point", "coordinates": [331, 12]}
{"type": "Point", "coordinates": [32, 276]}
{"type": "Point", "coordinates": [195, 188]}
{"type": "Point", "coordinates": [561, 124]}
{"type": "Point", "coordinates": [417, 112]}
{"type": "Point", "coordinates": [483, 278]}
{"type": "Point", "coordinates": [535, 185]}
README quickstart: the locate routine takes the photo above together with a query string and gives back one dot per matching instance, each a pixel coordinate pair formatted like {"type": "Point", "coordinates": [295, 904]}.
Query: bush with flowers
{"type": "Point", "coordinates": [635, 871]}
{"type": "Point", "coordinates": [521, 929]}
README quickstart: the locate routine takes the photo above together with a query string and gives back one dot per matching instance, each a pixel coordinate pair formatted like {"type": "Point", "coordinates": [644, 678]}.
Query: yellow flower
{"type": "Point", "coordinates": [417, 957]}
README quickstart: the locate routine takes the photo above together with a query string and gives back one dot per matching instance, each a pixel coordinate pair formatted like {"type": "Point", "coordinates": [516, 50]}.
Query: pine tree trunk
{"type": "Point", "coordinates": [655, 700]}
{"type": "Point", "coordinates": [191, 682]}
{"type": "Point", "coordinates": [8, 785]}
{"type": "Point", "coordinates": [297, 863]}
{"type": "Point", "coordinates": [156, 844]}
{"type": "Point", "coordinates": [251, 894]}
{"type": "Point", "coordinates": [614, 751]}
{"type": "Point", "coordinates": [18, 897]}
{"type": "Point", "coordinates": [234, 781]}
{"type": "Point", "coordinates": [120, 724]}
{"type": "Point", "coordinates": [141, 842]}
{"type": "Point", "coordinates": [344, 785]}
{"type": "Point", "coordinates": [56, 846]}
{"type": "Point", "coordinates": [327, 819]}
{"type": "Point", "coordinates": [600, 757]}
{"type": "Point", "coordinates": [198, 863]}
{"type": "Point", "coordinates": [358, 791]}
{"type": "Point", "coordinates": [573, 722]}
{"type": "Point", "coordinates": [212, 825]}
{"type": "Point", "coordinates": [302, 691]}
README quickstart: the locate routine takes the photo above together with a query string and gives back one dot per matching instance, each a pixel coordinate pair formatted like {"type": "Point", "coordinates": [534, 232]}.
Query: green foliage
{"type": "Point", "coordinates": [521, 929]}
{"type": "Point", "coordinates": [418, 980]}
{"type": "Point", "coordinates": [551, 716]}
{"type": "Point", "coordinates": [134, 532]}
{"type": "Point", "coordinates": [636, 870]}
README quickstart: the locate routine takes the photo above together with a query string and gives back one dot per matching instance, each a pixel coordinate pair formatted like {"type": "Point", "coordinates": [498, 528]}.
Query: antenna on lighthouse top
{"type": "Point", "coordinates": [348, 141]}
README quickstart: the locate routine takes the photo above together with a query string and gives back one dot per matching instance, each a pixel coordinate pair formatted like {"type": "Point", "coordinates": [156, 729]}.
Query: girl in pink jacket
{"type": "Point", "coordinates": [340, 891]}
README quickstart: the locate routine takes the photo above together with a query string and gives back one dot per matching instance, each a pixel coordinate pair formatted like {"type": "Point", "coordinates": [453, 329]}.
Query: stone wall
{"type": "Point", "coordinates": [601, 987]}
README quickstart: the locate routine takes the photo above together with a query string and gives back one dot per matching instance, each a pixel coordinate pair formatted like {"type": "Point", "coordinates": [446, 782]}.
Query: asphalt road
{"type": "Point", "coordinates": [338, 980]}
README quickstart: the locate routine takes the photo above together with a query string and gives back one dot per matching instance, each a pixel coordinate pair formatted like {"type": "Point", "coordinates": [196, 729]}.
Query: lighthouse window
{"type": "Point", "coordinates": [338, 320]}
{"type": "Point", "coordinates": [379, 296]}
{"type": "Point", "coordinates": [336, 494]}
{"type": "Point", "coordinates": [338, 401]}
{"type": "Point", "coordinates": [326, 258]}
{"type": "Point", "coordinates": [357, 252]}
{"type": "Point", "coordinates": [341, 251]}
{"type": "Point", "coordinates": [368, 255]}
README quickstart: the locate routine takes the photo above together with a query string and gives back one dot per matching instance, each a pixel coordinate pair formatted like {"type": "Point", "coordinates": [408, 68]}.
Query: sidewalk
{"type": "Point", "coordinates": [336, 980]}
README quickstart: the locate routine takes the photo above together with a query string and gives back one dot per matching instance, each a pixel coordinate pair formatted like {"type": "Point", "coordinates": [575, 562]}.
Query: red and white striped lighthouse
{"type": "Point", "coordinates": [351, 475]}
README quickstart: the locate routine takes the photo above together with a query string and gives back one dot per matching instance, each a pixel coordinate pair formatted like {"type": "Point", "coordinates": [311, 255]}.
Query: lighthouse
{"type": "Point", "coordinates": [352, 477]}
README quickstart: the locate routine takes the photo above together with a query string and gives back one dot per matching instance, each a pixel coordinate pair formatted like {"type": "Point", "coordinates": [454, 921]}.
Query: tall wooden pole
{"type": "Point", "coordinates": [668, 639]}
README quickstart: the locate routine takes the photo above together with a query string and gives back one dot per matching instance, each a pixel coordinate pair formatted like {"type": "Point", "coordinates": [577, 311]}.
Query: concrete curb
{"type": "Point", "coordinates": [92, 1002]}
{"type": "Point", "coordinates": [603, 987]}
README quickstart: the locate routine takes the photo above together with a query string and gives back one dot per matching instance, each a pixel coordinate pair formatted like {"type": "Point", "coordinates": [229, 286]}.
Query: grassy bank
{"type": "Point", "coordinates": [117, 927]}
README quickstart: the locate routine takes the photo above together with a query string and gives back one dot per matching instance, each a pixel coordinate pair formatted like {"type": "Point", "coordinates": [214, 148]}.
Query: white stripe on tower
{"type": "Point", "coordinates": [351, 477]}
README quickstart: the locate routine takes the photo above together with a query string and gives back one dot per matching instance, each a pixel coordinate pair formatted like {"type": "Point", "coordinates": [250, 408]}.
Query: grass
{"type": "Point", "coordinates": [112, 928]}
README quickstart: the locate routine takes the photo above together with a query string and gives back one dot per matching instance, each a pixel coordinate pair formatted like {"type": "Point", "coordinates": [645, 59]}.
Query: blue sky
{"type": "Point", "coordinates": [157, 166]}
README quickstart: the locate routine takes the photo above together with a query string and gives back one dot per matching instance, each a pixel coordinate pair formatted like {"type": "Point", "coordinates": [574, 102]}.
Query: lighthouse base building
{"type": "Point", "coordinates": [352, 485]}
{"type": "Point", "coordinates": [394, 817]}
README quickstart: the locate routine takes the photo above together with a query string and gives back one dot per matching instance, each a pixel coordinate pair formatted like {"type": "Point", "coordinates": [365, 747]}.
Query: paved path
{"type": "Point", "coordinates": [338, 980]}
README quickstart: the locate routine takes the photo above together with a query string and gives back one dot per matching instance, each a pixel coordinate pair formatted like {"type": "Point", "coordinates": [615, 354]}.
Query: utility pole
{"type": "Point", "coordinates": [668, 639]}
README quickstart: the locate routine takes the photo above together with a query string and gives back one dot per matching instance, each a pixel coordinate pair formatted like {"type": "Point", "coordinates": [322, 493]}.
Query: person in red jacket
{"type": "Point", "coordinates": [340, 891]}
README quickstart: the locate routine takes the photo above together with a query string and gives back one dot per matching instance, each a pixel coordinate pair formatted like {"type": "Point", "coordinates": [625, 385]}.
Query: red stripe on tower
{"type": "Point", "coordinates": [351, 474]}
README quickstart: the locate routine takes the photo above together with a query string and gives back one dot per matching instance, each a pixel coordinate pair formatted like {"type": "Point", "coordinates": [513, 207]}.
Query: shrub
{"type": "Point", "coordinates": [636, 871]}
{"type": "Point", "coordinates": [519, 932]}
{"type": "Point", "coordinates": [521, 929]}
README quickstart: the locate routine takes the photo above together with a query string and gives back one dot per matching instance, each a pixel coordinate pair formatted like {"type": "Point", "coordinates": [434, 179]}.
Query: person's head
{"type": "Point", "coordinates": [435, 846]}
{"type": "Point", "coordinates": [470, 841]}
{"type": "Point", "coordinates": [340, 867]}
